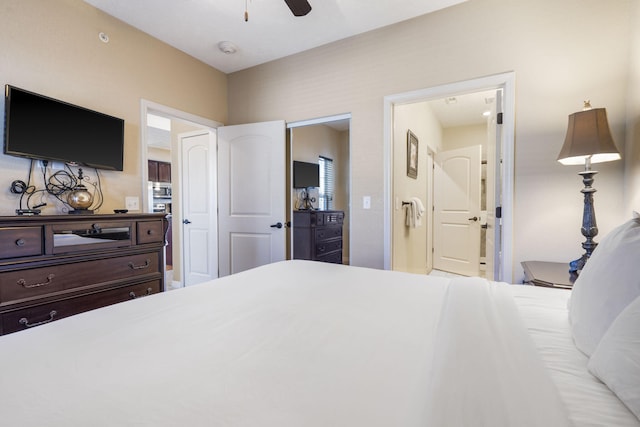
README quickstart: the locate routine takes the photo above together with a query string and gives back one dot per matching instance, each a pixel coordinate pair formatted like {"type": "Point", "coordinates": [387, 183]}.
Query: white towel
{"type": "Point", "coordinates": [415, 210]}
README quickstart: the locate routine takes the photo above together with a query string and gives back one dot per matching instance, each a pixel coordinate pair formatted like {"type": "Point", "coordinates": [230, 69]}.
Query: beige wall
{"type": "Point", "coordinates": [465, 136]}
{"type": "Point", "coordinates": [411, 245]}
{"type": "Point", "coordinates": [52, 48]}
{"type": "Point", "coordinates": [159, 154]}
{"type": "Point", "coordinates": [310, 142]}
{"type": "Point", "coordinates": [558, 62]}
{"type": "Point", "coordinates": [343, 194]}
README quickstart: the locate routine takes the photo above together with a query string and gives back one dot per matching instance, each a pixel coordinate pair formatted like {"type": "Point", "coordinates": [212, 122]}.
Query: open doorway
{"type": "Point", "coordinates": [464, 183]}
{"type": "Point", "coordinates": [161, 174]}
{"type": "Point", "coordinates": [324, 143]}
{"type": "Point", "coordinates": [501, 154]}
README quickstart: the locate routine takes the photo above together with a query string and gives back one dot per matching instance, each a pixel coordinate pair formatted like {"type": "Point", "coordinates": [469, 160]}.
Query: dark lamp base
{"type": "Point", "coordinates": [577, 265]}
{"type": "Point", "coordinates": [589, 227]}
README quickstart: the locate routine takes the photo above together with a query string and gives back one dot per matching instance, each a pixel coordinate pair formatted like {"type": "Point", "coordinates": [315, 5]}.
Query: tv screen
{"type": "Point", "coordinates": [39, 127]}
{"type": "Point", "coordinates": [306, 174]}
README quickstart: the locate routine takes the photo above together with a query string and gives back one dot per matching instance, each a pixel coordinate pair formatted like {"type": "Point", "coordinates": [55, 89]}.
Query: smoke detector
{"type": "Point", "coordinates": [227, 48]}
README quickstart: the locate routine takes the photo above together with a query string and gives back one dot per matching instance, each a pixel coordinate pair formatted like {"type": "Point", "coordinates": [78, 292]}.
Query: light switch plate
{"type": "Point", "coordinates": [132, 203]}
{"type": "Point", "coordinates": [366, 202]}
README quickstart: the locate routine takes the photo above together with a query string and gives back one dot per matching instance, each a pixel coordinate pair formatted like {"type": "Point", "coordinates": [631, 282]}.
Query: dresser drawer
{"type": "Point", "coordinates": [150, 232]}
{"type": "Point", "coordinates": [334, 257]}
{"type": "Point", "coordinates": [86, 236]}
{"type": "Point", "coordinates": [326, 233]}
{"type": "Point", "coordinates": [329, 218]}
{"type": "Point", "coordinates": [329, 246]}
{"type": "Point", "coordinates": [20, 241]}
{"type": "Point", "coordinates": [22, 284]}
{"type": "Point", "coordinates": [38, 315]}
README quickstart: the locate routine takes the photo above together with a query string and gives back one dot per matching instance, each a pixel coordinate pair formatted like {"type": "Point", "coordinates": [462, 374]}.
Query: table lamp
{"type": "Point", "coordinates": [588, 141]}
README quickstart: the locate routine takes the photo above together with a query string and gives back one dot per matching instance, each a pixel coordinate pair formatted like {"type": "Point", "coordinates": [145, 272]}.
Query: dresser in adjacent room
{"type": "Point", "coordinates": [60, 265]}
{"type": "Point", "coordinates": [317, 235]}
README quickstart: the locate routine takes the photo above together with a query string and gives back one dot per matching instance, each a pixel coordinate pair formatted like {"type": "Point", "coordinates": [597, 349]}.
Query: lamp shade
{"type": "Point", "coordinates": [588, 137]}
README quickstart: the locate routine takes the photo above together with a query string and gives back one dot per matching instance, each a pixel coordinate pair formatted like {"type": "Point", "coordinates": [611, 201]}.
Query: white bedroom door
{"type": "Point", "coordinates": [456, 231]}
{"type": "Point", "coordinates": [198, 202]}
{"type": "Point", "coordinates": [251, 195]}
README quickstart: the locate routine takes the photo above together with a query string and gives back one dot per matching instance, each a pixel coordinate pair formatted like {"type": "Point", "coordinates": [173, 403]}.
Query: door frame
{"type": "Point", "coordinates": [146, 107]}
{"type": "Point", "coordinates": [504, 81]}
{"type": "Point", "coordinates": [312, 122]}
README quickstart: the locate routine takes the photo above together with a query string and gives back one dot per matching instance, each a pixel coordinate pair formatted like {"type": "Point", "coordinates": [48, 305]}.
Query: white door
{"type": "Point", "coordinates": [251, 189]}
{"type": "Point", "coordinates": [198, 213]}
{"type": "Point", "coordinates": [457, 177]}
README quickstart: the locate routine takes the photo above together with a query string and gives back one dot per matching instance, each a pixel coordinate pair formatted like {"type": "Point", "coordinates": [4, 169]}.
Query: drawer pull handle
{"type": "Point", "coordinates": [149, 232]}
{"type": "Point", "coordinates": [146, 264]}
{"type": "Point", "coordinates": [20, 242]}
{"type": "Point", "coordinates": [134, 296]}
{"type": "Point", "coordinates": [24, 321]}
{"type": "Point", "coordinates": [23, 282]}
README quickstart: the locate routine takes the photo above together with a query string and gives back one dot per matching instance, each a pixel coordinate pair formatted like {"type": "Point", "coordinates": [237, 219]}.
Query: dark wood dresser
{"type": "Point", "coordinates": [60, 265]}
{"type": "Point", "coordinates": [317, 235]}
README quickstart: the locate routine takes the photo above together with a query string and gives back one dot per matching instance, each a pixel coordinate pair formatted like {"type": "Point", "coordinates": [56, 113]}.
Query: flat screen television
{"type": "Point", "coordinates": [39, 127]}
{"type": "Point", "coordinates": [306, 174]}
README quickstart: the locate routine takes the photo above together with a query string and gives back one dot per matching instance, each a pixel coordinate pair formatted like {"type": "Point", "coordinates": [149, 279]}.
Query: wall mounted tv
{"type": "Point", "coordinates": [39, 127]}
{"type": "Point", "coordinates": [306, 174]}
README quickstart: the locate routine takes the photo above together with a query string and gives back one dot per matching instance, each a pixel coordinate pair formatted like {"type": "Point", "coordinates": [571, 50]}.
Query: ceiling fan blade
{"type": "Point", "coordinates": [299, 7]}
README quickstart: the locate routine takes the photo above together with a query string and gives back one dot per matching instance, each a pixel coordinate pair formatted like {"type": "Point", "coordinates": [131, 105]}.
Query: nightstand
{"type": "Point", "coordinates": [548, 274]}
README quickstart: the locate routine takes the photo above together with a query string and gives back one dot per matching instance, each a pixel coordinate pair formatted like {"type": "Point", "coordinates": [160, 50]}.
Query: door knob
{"type": "Point", "coordinates": [276, 225]}
{"type": "Point", "coordinates": [186, 221]}
{"type": "Point", "coordinates": [475, 218]}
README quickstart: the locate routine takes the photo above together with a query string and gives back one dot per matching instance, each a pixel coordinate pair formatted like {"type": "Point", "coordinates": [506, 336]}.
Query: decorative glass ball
{"type": "Point", "coordinates": [80, 198]}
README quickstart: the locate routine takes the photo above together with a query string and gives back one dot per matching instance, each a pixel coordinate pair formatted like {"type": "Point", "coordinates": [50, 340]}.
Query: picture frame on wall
{"type": "Point", "coordinates": [412, 155]}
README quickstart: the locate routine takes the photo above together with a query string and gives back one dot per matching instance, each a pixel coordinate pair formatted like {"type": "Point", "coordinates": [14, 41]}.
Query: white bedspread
{"type": "Point", "coordinates": [486, 370]}
{"type": "Point", "coordinates": [290, 344]}
{"type": "Point", "coordinates": [591, 403]}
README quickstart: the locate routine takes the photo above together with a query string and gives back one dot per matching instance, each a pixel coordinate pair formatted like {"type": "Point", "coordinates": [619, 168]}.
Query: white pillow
{"type": "Point", "coordinates": [609, 281]}
{"type": "Point", "coordinates": [616, 360]}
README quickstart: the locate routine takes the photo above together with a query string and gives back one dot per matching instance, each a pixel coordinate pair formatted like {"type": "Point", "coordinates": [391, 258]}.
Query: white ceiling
{"type": "Point", "coordinates": [197, 26]}
{"type": "Point", "coordinates": [158, 138]}
{"type": "Point", "coordinates": [463, 110]}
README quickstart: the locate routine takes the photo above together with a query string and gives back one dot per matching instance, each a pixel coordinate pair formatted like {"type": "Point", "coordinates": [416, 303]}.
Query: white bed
{"type": "Point", "coordinates": [590, 402]}
{"type": "Point", "coordinates": [302, 343]}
